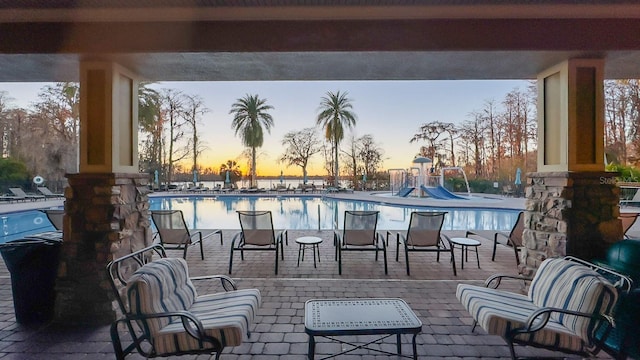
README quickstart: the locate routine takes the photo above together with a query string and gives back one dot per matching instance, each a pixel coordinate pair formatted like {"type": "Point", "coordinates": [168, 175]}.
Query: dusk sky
{"type": "Point", "coordinates": [391, 111]}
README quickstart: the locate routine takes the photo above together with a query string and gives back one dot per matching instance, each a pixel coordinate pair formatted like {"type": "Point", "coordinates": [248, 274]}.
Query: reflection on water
{"type": "Point", "coordinates": [309, 212]}
{"type": "Point", "coordinates": [288, 213]}
{"type": "Point", "coordinates": [20, 224]}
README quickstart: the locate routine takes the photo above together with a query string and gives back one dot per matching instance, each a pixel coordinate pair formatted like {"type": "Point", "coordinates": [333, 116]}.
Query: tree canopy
{"type": "Point", "coordinates": [335, 113]}
{"type": "Point", "coordinates": [250, 115]}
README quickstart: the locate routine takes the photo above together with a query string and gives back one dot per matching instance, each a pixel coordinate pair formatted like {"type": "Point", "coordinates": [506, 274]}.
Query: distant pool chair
{"type": "Point", "coordinates": [48, 193]}
{"type": "Point", "coordinates": [174, 234]}
{"type": "Point", "coordinates": [513, 238]}
{"type": "Point", "coordinates": [21, 194]}
{"type": "Point", "coordinates": [56, 217]}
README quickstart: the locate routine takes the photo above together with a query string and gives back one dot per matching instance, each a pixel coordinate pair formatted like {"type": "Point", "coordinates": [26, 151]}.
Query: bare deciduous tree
{"type": "Point", "coordinates": [56, 121]}
{"type": "Point", "coordinates": [300, 147]}
{"type": "Point", "coordinates": [490, 120]}
{"type": "Point", "coordinates": [472, 134]}
{"type": "Point", "coordinates": [194, 109]}
{"type": "Point", "coordinates": [173, 112]}
{"type": "Point", "coordinates": [350, 157]}
{"type": "Point", "coordinates": [370, 154]}
{"type": "Point", "coordinates": [433, 133]}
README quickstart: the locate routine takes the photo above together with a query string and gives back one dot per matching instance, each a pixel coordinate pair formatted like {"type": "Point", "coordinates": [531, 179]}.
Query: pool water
{"type": "Point", "coordinates": [295, 213]}
{"type": "Point", "coordinates": [19, 224]}
{"type": "Point", "coordinates": [317, 212]}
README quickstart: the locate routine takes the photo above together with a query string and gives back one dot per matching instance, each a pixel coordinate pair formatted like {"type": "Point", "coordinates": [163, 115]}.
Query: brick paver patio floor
{"type": "Point", "coordinates": [278, 332]}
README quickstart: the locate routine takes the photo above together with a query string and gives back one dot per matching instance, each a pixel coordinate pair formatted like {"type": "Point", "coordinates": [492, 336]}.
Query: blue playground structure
{"type": "Point", "coordinates": [439, 192]}
{"type": "Point", "coordinates": [404, 192]}
{"type": "Point", "coordinates": [421, 181]}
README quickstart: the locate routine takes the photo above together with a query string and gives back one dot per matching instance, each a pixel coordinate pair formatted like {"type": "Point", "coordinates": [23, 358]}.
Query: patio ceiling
{"type": "Point", "coordinates": [211, 40]}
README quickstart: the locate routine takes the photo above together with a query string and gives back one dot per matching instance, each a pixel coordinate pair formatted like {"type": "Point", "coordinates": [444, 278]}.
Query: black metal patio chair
{"type": "Point", "coordinates": [513, 238]}
{"type": "Point", "coordinates": [257, 234]}
{"type": "Point", "coordinates": [174, 234]}
{"type": "Point", "coordinates": [425, 235]}
{"type": "Point", "coordinates": [359, 234]}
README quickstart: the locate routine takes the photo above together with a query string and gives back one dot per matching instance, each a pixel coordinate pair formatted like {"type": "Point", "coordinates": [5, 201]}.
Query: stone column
{"type": "Point", "coordinates": [106, 208]}
{"type": "Point", "coordinates": [569, 213]}
{"type": "Point", "coordinates": [572, 204]}
{"type": "Point", "coordinates": [108, 217]}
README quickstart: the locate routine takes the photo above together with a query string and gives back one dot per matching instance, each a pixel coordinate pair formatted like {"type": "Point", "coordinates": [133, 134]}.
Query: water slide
{"type": "Point", "coordinates": [404, 192]}
{"type": "Point", "coordinates": [441, 193]}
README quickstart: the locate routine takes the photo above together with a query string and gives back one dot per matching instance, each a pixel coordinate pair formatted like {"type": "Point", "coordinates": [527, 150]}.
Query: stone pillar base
{"type": "Point", "coordinates": [107, 217]}
{"type": "Point", "coordinates": [569, 213]}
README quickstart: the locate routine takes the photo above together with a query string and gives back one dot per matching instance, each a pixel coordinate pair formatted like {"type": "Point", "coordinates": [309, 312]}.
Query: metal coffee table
{"type": "Point", "coordinates": [330, 318]}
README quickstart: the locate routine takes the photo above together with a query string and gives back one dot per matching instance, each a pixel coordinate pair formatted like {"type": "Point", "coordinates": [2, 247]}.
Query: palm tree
{"type": "Point", "coordinates": [231, 166]}
{"type": "Point", "coordinates": [335, 113]}
{"type": "Point", "coordinates": [249, 116]}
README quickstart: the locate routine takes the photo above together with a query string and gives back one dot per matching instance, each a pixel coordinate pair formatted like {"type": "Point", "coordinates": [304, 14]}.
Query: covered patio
{"type": "Point", "coordinates": [109, 47]}
{"type": "Point", "coordinates": [279, 330]}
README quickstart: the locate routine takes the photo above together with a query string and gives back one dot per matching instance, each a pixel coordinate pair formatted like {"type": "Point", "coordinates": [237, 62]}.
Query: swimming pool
{"type": "Point", "coordinates": [289, 212]}
{"type": "Point", "coordinates": [19, 224]}
{"type": "Point", "coordinates": [292, 212]}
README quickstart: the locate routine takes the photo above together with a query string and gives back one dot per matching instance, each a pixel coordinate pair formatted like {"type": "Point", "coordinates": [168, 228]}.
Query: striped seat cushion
{"type": "Point", "coordinates": [164, 285]}
{"type": "Point", "coordinates": [158, 287]}
{"type": "Point", "coordinates": [558, 283]}
{"type": "Point", "coordinates": [224, 316]}
{"type": "Point", "coordinates": [569, 285]}
{"type": "Point", "coordinates": [499, 312]}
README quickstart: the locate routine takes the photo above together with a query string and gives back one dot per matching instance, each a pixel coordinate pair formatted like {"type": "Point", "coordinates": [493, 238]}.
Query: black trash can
{"type": "Point", "coordinates": [33, 264]}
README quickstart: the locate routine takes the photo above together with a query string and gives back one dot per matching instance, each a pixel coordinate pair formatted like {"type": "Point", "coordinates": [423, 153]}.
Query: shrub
{"type": "Point", "coordinates": [483, 186]}
{"type": "Point", "coordinates": [627, 173]}
{"type": "Point", "coordinates": [13, 173]}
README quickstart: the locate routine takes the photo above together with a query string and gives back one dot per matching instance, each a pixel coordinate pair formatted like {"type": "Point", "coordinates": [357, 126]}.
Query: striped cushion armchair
{"type": "Point", "coordinates": [567, 302]}
{"type": "Point", "coordinates": [173, 319]}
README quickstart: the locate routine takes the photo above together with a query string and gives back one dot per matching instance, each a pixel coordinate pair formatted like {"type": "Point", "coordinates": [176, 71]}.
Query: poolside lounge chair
{"type": "Point", "coordinates": [424, 234]}
{"type": "Point", "coordinates": [174, 234]}
{"type": "Point", "coordinates": [359, 234]}
{"type": "Point", "coordinates": [12, 198]}
{"type": "Point", "coordinates": [20, 193]}
{"type": "Point", "coordinates": [229, 188]}
{"type": "Point", "coordinates": [514, 237]}
{"type": "Point", "coordinates": [56, 217]}
{"type": "Point", "coordinates": [257, 234]}
{"type": "Point", "coordinates": [199, 188]}
{"type": "Point", "coordinates": [626, 197]}
{"type": "Point", "coordinates": [48, 193]}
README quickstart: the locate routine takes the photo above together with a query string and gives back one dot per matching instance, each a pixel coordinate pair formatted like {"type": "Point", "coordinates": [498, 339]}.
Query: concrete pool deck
{"type": "Point", "coordinates": [278, 332]}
